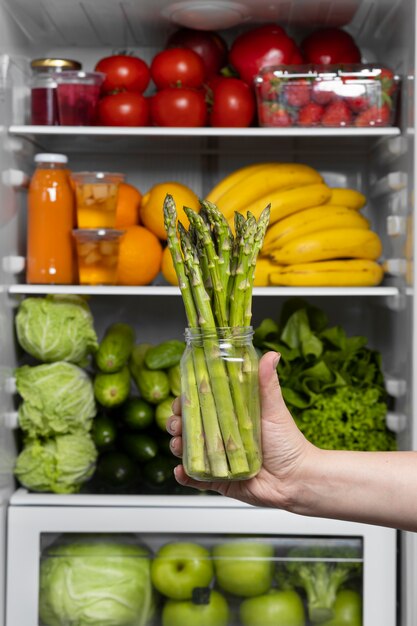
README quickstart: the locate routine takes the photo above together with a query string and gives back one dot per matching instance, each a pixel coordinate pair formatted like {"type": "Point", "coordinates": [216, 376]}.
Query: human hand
{"type": "Point", "coordinates": [285, 449]}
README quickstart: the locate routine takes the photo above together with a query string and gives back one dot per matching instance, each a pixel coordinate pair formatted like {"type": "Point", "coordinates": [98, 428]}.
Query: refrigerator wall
{"type": "Point", "coordinates": [381, 166]}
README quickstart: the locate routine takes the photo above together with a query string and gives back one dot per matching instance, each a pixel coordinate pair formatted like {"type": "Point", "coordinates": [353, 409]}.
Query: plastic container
{"type": "Point", "coordinates": [328, 96]}
{"type": "Point", "coordinates": [96, 197]}
{"type": "Point", "coordinates": [43, 86]}
{"type": "Point", "coordinates": [51, 211]}
{"type": "Point", "coordinates": [98, 255]}
{"type": "Point", "coordinates": [221, 405]}
{"type": "Point", "coordinates": [78, 95]}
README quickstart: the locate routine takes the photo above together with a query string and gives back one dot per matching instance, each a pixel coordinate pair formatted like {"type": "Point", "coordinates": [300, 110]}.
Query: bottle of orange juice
{"type": "Point", "coordinates": [51, 209]}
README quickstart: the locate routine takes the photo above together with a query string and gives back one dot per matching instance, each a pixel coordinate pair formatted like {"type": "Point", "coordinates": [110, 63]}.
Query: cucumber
{"type": "Point", "coordinates": [112, 389]}
{"type": "Point", "coordinates": [137, 358]}
{"type": "Point", "coordinates": [174, 375]}
{"type": "Point", "coordinates": [153, 385]}
{"type": "Point", "coordinates": [115, 348]}
{"type": "Point", "coordinates": [164, 355]}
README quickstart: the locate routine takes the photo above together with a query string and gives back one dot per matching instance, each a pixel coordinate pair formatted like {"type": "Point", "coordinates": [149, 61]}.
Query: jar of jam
{"type": "Point", "coordinates": [44, 102]}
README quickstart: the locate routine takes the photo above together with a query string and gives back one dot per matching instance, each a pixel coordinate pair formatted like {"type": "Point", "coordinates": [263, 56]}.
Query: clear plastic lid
{"type": "Point", "coordinates": [50, 158]}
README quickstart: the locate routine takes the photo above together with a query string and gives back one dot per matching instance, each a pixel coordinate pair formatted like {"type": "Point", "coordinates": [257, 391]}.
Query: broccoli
{"type": "Point", "coordinates": [320, 571]}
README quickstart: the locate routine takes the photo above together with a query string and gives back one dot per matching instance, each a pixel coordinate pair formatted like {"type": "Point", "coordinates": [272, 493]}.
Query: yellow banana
{"type": "Point", "coordinates": [232, 179]}
{"type": "Point", "coordinates": [337, 243]}
{"type": "Point", "coordinates": [263, 269]}
{"type": "Point", "coordinates": [351, 198]}
{"type": "Point", "coordinates": [262, 182]}
{"type": "Point", "coordinates": [322, 217]}
{"type": "Point", "coordinates": [288, 201]}
{"type": "Point", "coordinates": [347, 273]}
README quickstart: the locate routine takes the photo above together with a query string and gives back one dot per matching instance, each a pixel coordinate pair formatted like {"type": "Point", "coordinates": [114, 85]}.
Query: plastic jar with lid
{"type": "Point", "coordinates": [51, 211]}
{"type": "Point", "coordinates": [44, 102]}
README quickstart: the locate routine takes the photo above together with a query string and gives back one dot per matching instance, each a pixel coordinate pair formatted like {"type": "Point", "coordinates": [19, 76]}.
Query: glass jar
{"type": "Point", "coordinates": [43, 86]}
{"type": "Point", "coordinates": [220, 404]}
{"type": "Point", "coordinates": [51, 211]}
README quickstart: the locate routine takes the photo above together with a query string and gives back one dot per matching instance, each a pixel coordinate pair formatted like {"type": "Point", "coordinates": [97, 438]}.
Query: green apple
{"type": "Point", "coordinates": [244, 567]}
{"type": "Point", "coordinates": [347, 609]}
{"type": "Point", "coordinates": [179, 567]}
{"type": "Point", "coordinates": [215, 612]}
{"type": "Point", "coordinates": [276, 607]}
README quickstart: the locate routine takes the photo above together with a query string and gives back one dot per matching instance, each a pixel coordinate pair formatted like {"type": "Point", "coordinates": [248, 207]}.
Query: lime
{"type": "Point", "coordinates": [116, 469]}
{"type": "Point", "coordinates": [163, 411]}
{"type": "Point", "coordinates": [139, 446]}
{"type": "Point", "coordinates": [103, 431]}
{"type": "Point", "coordinates": [137, 413]}
{"type": "Point", "coordinates": [159, 471]}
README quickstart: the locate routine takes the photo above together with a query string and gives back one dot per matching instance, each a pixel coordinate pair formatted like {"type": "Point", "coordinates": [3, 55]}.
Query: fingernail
{"type": "Point", "coordinates": [276, 361]}
{"type": "Point", "coordinates": [172, 426]}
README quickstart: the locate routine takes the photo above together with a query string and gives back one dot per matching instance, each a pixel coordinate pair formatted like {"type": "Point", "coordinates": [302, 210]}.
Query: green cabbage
{"type": "Point", "coordinates": [56, 328]}
{"type": "Point", "coordinates": [60, 464]}
{"type": "Point", "coordinates": [89, 582]}
{"type": "Point", "coordinates": [58, 398]}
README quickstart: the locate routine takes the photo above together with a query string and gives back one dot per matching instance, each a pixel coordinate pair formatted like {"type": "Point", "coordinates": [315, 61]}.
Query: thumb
{"type": "Point", "coordinates": [272, 401]}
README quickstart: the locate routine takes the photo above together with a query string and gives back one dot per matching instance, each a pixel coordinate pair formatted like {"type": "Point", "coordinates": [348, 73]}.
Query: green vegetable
{"type": "Point", "coordinates": [60, 464]}
{"type": "Point", "coordinates": [58, 398]}
{"type": "Point", "coordinates": [159, 471]}
{"type": "Point", "coordinates": [320, 571]}
{"type": "Point", "coordinates": [164, 355]}
{"type": "Point", "coordinates": [112, 389]}
{"type": "Point", "coordinates": [215, 274]}
{"type": "Point", "coordinates": [140, 446]}
{"type": "Point", "coordinates": [347, 609]}
{"type": "Point", "coordinates": [174, 375]}
{"type": "Point", "coordinates": [103, 431]}
{"type": "Point", "coordinates": [137, 413]}
{"type": "Point", "coordinates": [137, 358]}
{"type": "Point", "coordinates": [163, 411]}
{"type": "Point", "coordinates": [56, 328]}
{"type": "Point", "coordinates": [95, 581]}
{"type": "Point", "coordinates": [116, 469]}
{"type": "Point", "coordinates": [153, 385]}
{"type": "Point", "coordinates": [115, 348]}
{"type": "Point", "coordinates": [333, 384]}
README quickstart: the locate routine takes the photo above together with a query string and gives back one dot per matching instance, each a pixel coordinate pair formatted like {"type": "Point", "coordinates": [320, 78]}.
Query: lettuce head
{"type": "Point", "coordinates": [59, 464]}
{"type": "Point", "coordinates": [56, 328]}
{"type": "Point", "coordinates": [58, 398]}
{"type": "Point", "coordinates": [89, 582]}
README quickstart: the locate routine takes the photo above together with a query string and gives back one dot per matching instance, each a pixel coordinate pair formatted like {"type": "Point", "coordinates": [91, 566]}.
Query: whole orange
{"type": "Point", "coordinates": [151, 210]}
{"type": "Point", "coordinates": [128, 205]}
{"type": "Point", "coordinates": [140, 257]}
{"type": "Point", "coordinates": [167, 267]}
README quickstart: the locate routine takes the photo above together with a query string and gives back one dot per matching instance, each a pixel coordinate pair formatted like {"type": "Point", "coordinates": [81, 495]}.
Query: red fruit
{"type": "Point", "coordinates": [310, 114]}
{"type": "Point", "coordinates": [177, 67]}
{"type": "Point", "coordinates": [209, 45]}
{"type": "Point", "coordinates": [233, 103]}
{"type": "Point", "coordinates": [358, 104]}
{"type": "Point", "coordinates": [270, 86]}
{"type": "Point", "coordinates": [322, 91]}
{"type": "Point", "coordinates": [261, 47]}
{"type": "Point", "coordinates": [374, 116]}
{"type": "Point", "coordinates": [178, 107]}
{"type": "Point", "coordinates": [297, 93]}
{"type": "Point", "coordinates": [386, 78]}
{"type": "Point", "coordinates": [337, 114]}
{"type": "Point", "coordinates": [274, 115]}
{"type": "Point", "coordinates": [327, 46]}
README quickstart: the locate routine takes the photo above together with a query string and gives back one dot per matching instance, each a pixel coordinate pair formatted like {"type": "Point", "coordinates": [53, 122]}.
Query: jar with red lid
{"type": "Point", "coordinates": [43, 86]}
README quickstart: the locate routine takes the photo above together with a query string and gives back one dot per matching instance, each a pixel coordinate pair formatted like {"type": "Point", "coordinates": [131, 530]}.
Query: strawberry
{"type": "Point", "coordinates": [270, 87]}
{"type": "Point", "coordinates": [374, 116]}
{"type": "Point", "coordinates": [274, 115]}
{"type": "Point", "coordinates": [337, 114]}
{"type": "Point", "coordinates": [359, 103]}
{"type": "Point", "coordinates": [322, 92]}
{"type": "Point", "coordinates": [310, 114]}
{"type": "Point", "coordinates": [386, 78]}
{"type": "Point", "coordinates": [297, 93]}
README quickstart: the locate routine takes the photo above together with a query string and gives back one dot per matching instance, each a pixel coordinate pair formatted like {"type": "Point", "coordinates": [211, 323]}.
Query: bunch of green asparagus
{"type": "Point", "coordinates": [220, 402]}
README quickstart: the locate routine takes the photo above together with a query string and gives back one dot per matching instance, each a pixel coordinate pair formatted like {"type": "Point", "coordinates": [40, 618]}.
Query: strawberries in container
{"type": "Point", "coordinates": [358, 95]}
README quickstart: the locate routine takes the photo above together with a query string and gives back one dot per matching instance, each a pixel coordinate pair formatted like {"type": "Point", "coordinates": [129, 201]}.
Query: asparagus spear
{"type": "Point", "coordinates": [261, 227]}
{"type": "Point", "coordinates": [224, 238]}
{"type": "Point", "coordinates": [240, 282]}
{"type": "Point", "coordinates": [219, 380]}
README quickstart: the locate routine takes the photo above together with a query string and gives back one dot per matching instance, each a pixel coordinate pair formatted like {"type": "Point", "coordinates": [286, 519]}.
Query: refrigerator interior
{"type": "Point", "coordinates": [380, 164]}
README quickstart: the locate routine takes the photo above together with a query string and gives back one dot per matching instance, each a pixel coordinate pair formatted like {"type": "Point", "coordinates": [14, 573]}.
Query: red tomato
{"type": "Point", "coordinates": [123, 109]}
{"type": "Point", "coordinates": [124, 73]}
{"type": "Point", "coordinates": [208, 44]}
{"type": "Point", "coordinates": [233, 103]}
{"type": "Point", "coordinates": [326, 46]}
{"type": "Point", "coordinates": [260, 47]}
{"type": "Point", "coordinates": [177, 67]}
{"type": "Point", "coordinates": [178, 106]}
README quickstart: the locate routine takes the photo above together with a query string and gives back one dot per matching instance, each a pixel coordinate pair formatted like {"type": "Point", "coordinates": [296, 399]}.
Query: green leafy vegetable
{"type": "Point", "coordinates": [58, 398]}
{"type": "Point", "coordinates": [95, 581]}
{"type": "Point", "coordinates": [56, 328]}
{"type": "Point", "coordinates": [333, 384]}
{"type": "Point", "coordinates": [60, 464]}
{"type": "Point", "coordinates": [320, 571]}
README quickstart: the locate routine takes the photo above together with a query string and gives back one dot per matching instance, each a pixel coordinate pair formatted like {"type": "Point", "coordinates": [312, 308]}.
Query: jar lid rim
{"type": "Point", "coordinates": [56, 63]}
{"type": "Point", "coordinates": [50, 158]}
